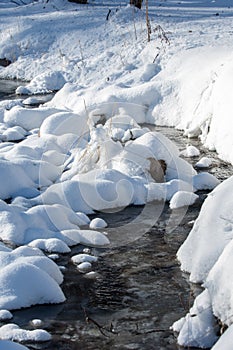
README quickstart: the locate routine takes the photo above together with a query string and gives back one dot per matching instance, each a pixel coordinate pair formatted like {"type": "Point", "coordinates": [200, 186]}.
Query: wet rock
{"type": "Point", "coordinates": [79, 1]}
{"type": "Point", "coordinates": [157, 169]}
{"type": "Point", "coordinates": [4, 62]}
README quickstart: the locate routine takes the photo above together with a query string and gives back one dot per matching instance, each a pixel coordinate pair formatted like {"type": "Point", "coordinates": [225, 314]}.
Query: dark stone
{"type": "Point", "coordinates": [79, 1]}
{"type": "Point", "coordinates": [136, 3]}
{"type": "Point", "coordinates": [4, 62]}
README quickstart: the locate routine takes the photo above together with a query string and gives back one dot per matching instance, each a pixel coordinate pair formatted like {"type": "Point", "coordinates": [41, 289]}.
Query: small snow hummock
{"type": "Point", "coordinates": [204, 162]}
{"type": "Point", "coordinates": [5, 315]}
{"type": "Point", "coordinates": [28, 277]}
{"type": "Point", "coordinates": [84, 267]}
{"type": "Point", "coordinates": [43, 83]}
{"type": "Point", "coordinates": [51, 245]}
{"type": "Point", "coordinates": [205, 181]}
{"type": "Point", "coordinates": [83, 262]}
{"type": "Point", "coordinates": [36, 322]}
{"type": "Point", "coordinates": [198, 327]}
{"type": "Point", "coordinates": [79, 258]}
{"type": "Point", "coordinates": [98, 223]}
{"type": "Point", "coordinates": [182, 198]}
{"type": "Point", "coordinates": [13, 332]}
{"type": "Point", "coordinates": [190, 151]}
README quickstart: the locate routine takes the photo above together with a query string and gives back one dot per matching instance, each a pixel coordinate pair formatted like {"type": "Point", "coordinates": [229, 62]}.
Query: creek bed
{"type": "Point", "coordinates": [139, 290]}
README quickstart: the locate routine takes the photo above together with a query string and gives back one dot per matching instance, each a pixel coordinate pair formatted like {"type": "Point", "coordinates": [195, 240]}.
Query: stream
{"type": "Point", "coordinates": [138, 290]}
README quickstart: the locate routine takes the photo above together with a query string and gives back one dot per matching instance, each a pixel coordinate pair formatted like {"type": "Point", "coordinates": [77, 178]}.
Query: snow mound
{"type": "Point", "coordinates": [28, 278]}
{"type": "Point", "coordinates": [64, 123]}
{"type": "Point", "coordinates": [13, 332]}
{"type": "Point", "coordinates": [51, 245]}
{"type": "Point", "coordinates": [98, 223]}
{"type": "Point", "coordinates": [43, 83]}
{"type": "Point", "coordinates": [205, 181]}
{"type": "Point", "coordinates": [198, 327]}
{"type": "Point", "coordinates": [86, 237]}
{"type": "Point", "coordinates": [190, 151]}
{"type": "Point", "coordinates": [27, 119]}
{"type": "Point", "coordinates": [182, 198]}
{"type": "Point", "coordinates": [204, 162]}
{"type": "Point", "coordinates": [84, 267]}
{"type": "Point", "coordinates": [213, 225]}
{"type": "Point", "coordinates": [5, 315]}
{"type": "Point", "coordinates": [80, 258]}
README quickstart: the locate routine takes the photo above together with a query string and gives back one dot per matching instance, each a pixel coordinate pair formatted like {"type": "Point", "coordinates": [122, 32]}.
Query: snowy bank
{"type": "Point", "coordinates": [210, 264]}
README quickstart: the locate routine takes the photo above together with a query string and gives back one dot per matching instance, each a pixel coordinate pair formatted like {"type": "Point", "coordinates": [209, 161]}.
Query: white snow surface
{"type": "Point", "coordinates": [13, 332]}
{"type": "Point", "coordinates": [85, 150]}
{"type": "Point", "coordinates": [182, 198]}
{"type": "Point", "coordinates": [10, 345]}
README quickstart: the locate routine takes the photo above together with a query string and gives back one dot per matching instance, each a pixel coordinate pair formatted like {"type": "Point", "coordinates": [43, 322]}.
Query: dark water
{"type": "Point", "coordinates": [7, 91]}
{"type": "Point", "coordinates": [7, 88]}
{"type": "Point", "coordinates": [139, 290]}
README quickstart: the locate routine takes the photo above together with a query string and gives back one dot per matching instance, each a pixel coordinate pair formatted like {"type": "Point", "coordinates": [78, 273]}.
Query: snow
{"type": "Point", "coordinates": [28, 277]}
{"type": "Point", "coordinates": [98, 223]}
{"type": "Point", "coordinates": [225, 341]}
{"type": "Point", "coordinates": [197, 256]}
{"type": "Point", "coordinates": [198, 328]}
{"type": "Point", "coordinates": [13, 332]}
{"type": "Point", "coordinates": [9, 345]}
{"type": "Point", "coordinates": [211, 264]}
{"type": "Point", "coordinates": [205, 181]}
{"type": "Point", "coordinates": [204, 162]}
{"type": "Point", "coordinates": [79, 258]}
{"type": "Point", "coordinates": [182, 198]}
{"type": "Point", "coordinates": [43, 83]}
{"type": "Point", "coordinates": [190, 151]}
{"type": "Point", "coordinates": [5, 315]}
{"type": "Point", "coordinates": [36, 323]}
{"type": "Point", "coordinates": [50, 245]}
{"type": "Point", "coordinates": [84, 267]}
{"type": "Point", "coordinates": [86, 150]}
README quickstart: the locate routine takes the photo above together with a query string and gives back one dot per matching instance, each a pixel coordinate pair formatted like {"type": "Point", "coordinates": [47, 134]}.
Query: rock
{"type": "Point", "coordinates": [79, 1]}
{"type": "Point", "coordinates": [157, 169]}
{"type": "Point", "coordinates": [4, 62]}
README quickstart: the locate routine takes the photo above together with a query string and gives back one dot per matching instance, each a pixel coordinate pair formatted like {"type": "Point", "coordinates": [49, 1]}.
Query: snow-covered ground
{"type": "Point", "coordinates": [85, 150]}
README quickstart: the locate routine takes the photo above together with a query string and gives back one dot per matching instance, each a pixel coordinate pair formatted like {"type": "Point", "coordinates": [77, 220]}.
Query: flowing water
{"type": "Point", "coordinates": [138, 290]}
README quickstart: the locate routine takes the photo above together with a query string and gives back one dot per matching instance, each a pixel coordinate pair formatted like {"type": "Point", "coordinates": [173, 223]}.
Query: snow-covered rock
{"type": "Point", "coordinates": [98, 223]}
{"type": "Point", "coordinates": [13, 332]}
{"type": "Point", "coordinates": [182, 198]}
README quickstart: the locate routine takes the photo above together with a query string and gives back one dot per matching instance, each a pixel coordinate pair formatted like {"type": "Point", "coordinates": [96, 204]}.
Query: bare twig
{"type": "Point", "coordinates": [101, 328]}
